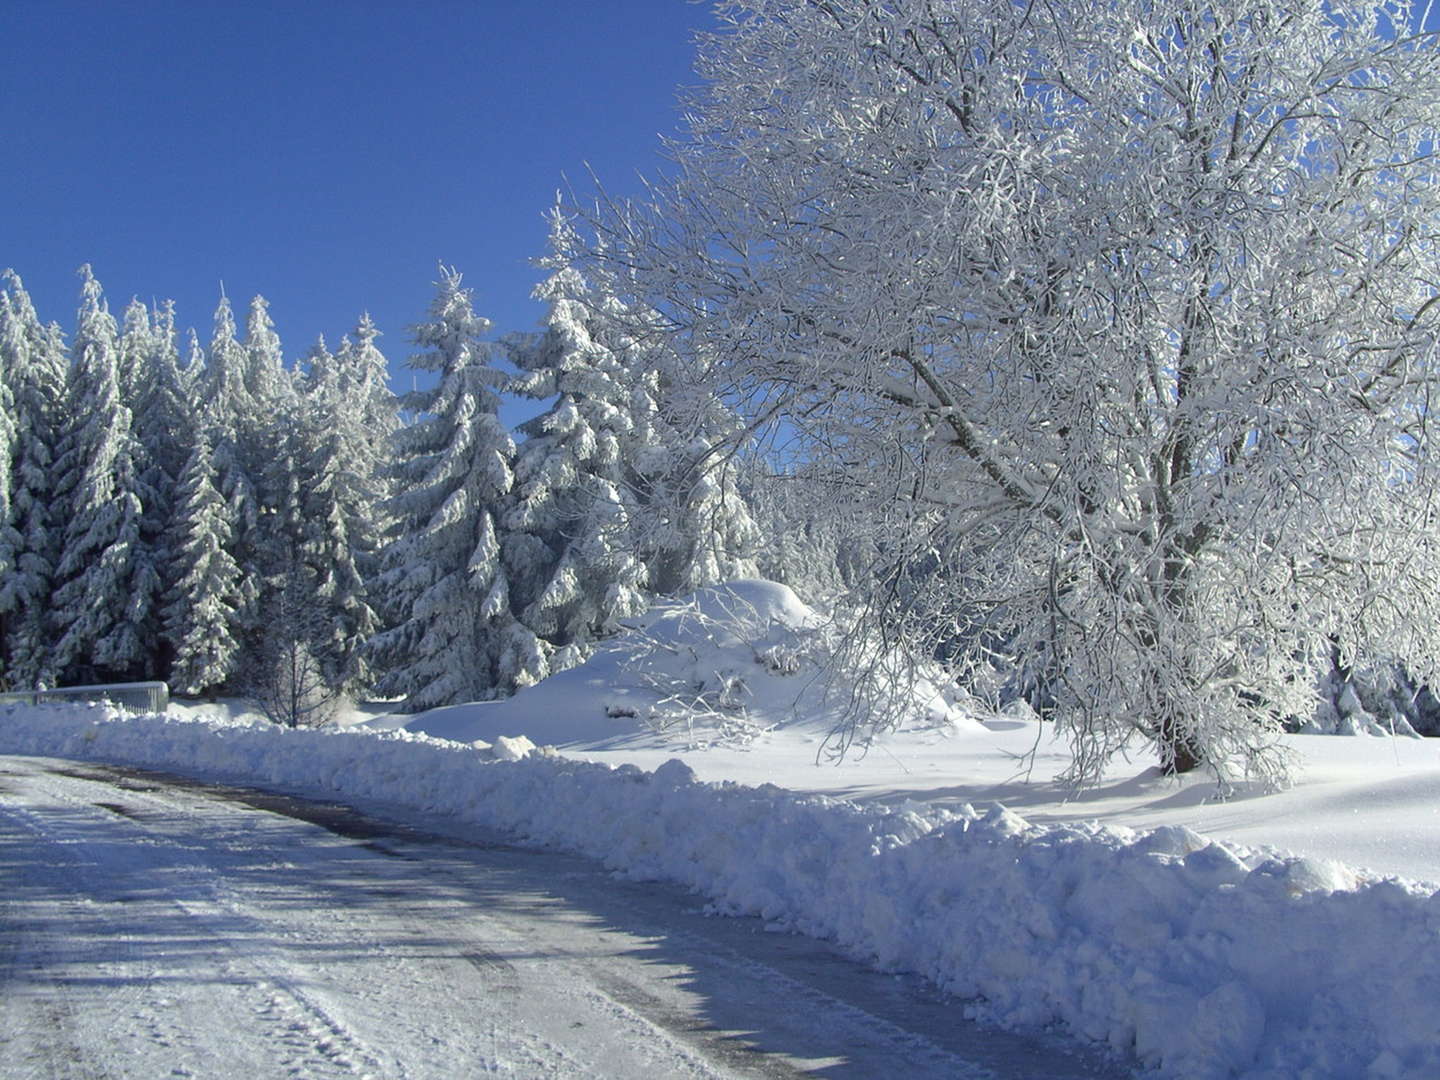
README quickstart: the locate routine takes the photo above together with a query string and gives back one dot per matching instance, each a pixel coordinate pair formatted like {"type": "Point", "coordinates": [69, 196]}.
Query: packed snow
{"type": "Point", "coordinates": [1145, 914]}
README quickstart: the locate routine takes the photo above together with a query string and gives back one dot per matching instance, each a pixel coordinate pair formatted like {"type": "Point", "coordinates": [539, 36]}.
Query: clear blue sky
{"type": "Point", "coordinates": [324, 153]}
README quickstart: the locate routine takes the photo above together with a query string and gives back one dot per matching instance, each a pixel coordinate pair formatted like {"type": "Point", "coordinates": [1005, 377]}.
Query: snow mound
{"type": "Point", "coordinates": [1202, 959]}
{"type": "Point", "coordinates": [722, 666]}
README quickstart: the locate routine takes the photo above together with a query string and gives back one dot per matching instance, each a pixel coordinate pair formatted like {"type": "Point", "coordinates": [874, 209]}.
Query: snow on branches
{"type": "Point", "coordinates": [1116, 320]}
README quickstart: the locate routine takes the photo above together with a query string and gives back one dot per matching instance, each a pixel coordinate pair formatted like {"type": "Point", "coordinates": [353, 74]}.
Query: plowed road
{"type": "Point", "coordinates": [154, 927]}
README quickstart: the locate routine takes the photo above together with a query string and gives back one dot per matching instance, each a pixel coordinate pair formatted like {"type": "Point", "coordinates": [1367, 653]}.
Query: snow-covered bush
{"type": "Point", "coordinates": [735, 659]}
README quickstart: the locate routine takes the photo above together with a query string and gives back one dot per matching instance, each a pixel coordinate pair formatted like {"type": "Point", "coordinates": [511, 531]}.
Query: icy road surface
{"type": "Point", "coordinates": [153, 927]}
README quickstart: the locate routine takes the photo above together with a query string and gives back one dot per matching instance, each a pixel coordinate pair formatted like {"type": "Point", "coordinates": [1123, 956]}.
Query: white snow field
{"type": "Point", "coordinates": [1143, 915]}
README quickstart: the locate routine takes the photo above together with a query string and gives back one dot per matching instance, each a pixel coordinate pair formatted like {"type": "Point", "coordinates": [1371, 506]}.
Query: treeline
{"type": "Point", "coordinates": [208, 515]}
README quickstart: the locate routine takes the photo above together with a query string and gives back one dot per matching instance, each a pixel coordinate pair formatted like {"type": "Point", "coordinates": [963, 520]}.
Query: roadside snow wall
{"type": "Point", "coordinates": [1204, 960]}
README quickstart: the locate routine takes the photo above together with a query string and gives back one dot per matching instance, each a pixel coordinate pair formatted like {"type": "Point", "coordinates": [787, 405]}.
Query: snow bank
{"type": "Point", "coordinates": [1203, 959]}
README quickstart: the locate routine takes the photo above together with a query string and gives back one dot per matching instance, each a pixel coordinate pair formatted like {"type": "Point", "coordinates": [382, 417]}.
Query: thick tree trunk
{"type": "Point", "coordinates": [1179, 752]}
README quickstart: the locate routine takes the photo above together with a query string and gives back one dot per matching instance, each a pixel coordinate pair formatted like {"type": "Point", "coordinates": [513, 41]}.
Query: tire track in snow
{"type": "Point", "coordinates": [245, 977]}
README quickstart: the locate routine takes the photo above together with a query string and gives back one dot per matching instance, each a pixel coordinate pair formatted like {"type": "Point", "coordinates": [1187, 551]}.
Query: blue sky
{"type": "Point", "coordinates": [324, 153]}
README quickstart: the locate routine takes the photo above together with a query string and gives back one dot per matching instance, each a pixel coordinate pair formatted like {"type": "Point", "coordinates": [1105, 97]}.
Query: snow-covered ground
{"type": "Point", "coordinates": [1143, 914]}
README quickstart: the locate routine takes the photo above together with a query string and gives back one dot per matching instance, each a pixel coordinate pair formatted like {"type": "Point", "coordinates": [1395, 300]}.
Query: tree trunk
{"type": "Point", "coordinates": [1178, 750]}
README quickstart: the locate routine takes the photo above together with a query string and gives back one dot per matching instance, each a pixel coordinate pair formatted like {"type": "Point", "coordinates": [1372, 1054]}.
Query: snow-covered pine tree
{"type": "Point", "coordinates": [370, 409]}
{"type": "Point", "coordinates": [457, 638]}
{"type": "Point", "coordinates": [105, 584]}
{"type": "Point", "coordinates": [321, 381]}
{"type": "Point", "coordinates": [165, 426]}
{"type": "Point", "coordinates": [9, 429]}
{"type": "Point", "coordinates": [202, 604]}
{"type": "Point", "coordinates": [337, 542]}
{"type": "Point", "coordinates": [702, 531]}
{"type": "Point", "coordinates": [33, 358]}
{"type": "Point", "coordinates": [266, 377]}
{"type": "Point", "coordinates": [570, 547]}
{"type": "Point", "coordinates": [695, 522]}
{"type": "Point", "coordinates": [231, 412]}
{"type": "Point", "coordinates": [147, 372]}
{"type": "Point", "coordinates": [352, 416]}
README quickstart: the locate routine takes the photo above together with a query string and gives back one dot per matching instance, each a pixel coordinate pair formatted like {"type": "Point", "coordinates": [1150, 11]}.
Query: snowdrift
{"type": "Point", "coordinates": [1201, 958]}
{"type": "Point", "coordinates": [723, 665]}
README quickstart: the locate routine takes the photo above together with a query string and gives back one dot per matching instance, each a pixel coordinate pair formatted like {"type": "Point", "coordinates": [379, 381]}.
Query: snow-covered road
{"type": "Point", "coordinates": [157, 927]}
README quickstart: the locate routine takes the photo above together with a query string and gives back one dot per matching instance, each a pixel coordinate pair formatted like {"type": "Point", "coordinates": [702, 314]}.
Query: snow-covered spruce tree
{"type": "Point", "coordinates": [321, 525]}
{"type": "Point", "coordinates": [267, 380]}
{"type": "Point", "coordinates": [281, 671]}
{"type": "Point", "coordinates": [11, 541]}
{"type": "Point", "coordinates": [202, 601]}
{"type": "Point", "coordinates": [699, 529]}
{"type": "Point", "coordinates": [820, 545]}
{"type": "Point", "coordinates": [164, 409]}
{"type": "Point", "coordinates": [322, 379]}
{"type": "Point", "coordinates": [571, 546]}
{"type": "Point", "coordinates": [150, 383]}
{"type": "Point", "coordinates": [340, 543]}
{"type": "Point", "coordinates": [164, 421]}
{"type": "Point", "coordinates": [456, 638]}
{"type": "Point", "coordinates": [34, 366]}
{"type": "Point", "coordinates": [1123, 313]}
{"type": "Point", "coordinates": [370, 409]}
{"type": "Point", "coordinates": [273, 448]}
{"type": "Point", "coordinates": [9, 431]}
{"type": "Point", "coordinates": [230, 414]}
{"type": "Point", "coordinates": [687, 520]}
{"type": "Point", "coordinates": [106, 583]}
{"type": "Point", "coordinates": [349, 488]}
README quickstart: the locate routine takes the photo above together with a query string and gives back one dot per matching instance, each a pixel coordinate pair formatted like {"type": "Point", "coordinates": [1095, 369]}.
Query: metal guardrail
{"type": "Point", "coordinates": [138, 697]}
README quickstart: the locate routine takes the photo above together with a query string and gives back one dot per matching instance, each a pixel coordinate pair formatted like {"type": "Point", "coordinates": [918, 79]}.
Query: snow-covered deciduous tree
{"type": "Point", "coordinates": [106, 582]}
{"type": "Point", "coordinates": [456, 637]}
{"type": "Point", "coordinates": [33, 360]}
{"type": "Point", "coordinates": [200, 615]}
{"type": "Point", "coordinates": [288, 683]}
{"type": "Point", "coordinates": [283, 671]}
{"type": "Point", "coordinates": [1121, 314]}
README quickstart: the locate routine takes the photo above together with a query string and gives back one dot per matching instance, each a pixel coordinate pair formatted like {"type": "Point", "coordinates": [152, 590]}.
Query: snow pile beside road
{"type": "Point", "coordinates": [1202, 958]}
